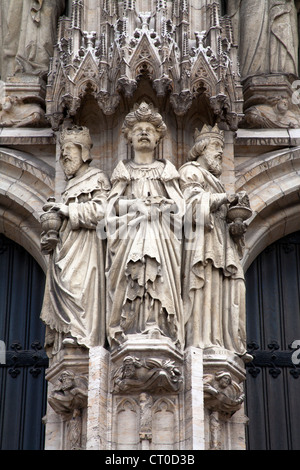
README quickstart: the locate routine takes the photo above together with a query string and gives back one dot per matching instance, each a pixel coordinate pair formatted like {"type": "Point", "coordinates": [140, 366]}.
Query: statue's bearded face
{"type": "Point", "coordinates": [71, 158]}
{"type": "Point", "coordinates": [213, 157]}
{"type": "Point", "coordinates": [144, 136]}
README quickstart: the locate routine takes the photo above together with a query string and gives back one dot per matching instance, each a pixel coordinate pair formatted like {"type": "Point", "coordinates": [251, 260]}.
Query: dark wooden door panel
{"type": "Point", "coordinates": [22, 377]}
{"type": "Point", "coordinates": [273, 323]}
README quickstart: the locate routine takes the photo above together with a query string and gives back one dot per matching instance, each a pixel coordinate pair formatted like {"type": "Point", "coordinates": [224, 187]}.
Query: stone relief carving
{"type": "Point", "coordinates": [145, 428]}
{"type": "Point", "coordinates": [213, 279]}
{"type": "Point", "coordinates": [145, 209]}
{"type": "Point", "coordinates": [222, 394]}
{"type": "Point", "coordinates": [147, 375]}
{"type": "Point", "coordinates": [74, 306]}
{"type": "Point", "coordinates": [68, 398]}
{"type": "Point", "coordinates": [18, 112]}
{"type": "Point", "coordinates": [29, 32]}
{"type": "Point", "coordinates": [275, 113]}
{"type": "Point", "coordinates": [261, 27]}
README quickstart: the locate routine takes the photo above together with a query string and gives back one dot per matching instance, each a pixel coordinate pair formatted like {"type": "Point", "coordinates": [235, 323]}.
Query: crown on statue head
{"type": "Point", "coordinates": [77, 135]}
{"type": "Point", "coordinates": [209, 132]}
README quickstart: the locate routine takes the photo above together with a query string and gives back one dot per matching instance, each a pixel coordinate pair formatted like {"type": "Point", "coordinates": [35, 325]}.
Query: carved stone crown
{"type": "Point", "coordinates": [144, 112]}
{"type": "Point", "coordinates": [209, 132]}
{"type": "Point", "coordinates": [78, 135]}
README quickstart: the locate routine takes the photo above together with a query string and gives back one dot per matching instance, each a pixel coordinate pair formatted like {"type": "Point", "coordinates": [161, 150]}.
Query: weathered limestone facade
{"type": "Point", "coordinates": [113, 384]}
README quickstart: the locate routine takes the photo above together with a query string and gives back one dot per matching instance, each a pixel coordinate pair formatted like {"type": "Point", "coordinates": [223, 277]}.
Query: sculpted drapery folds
{"type": "Point", "coordinates": [29, 29]}
{"type": "Point", "coordinates": [213, 279]}
{"type": "Point", "coordinates": [268, 35]}
{"type": "Point", "coordinates": [74, 301]}
{"type": "Point", "coordinates": [145, 212]}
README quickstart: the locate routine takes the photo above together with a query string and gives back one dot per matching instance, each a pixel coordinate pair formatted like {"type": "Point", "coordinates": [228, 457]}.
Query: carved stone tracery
{"type": "Point", "coordinates": [131, 43]}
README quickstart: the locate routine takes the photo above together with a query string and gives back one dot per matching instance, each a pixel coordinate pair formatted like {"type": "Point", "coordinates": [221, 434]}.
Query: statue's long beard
{"type": "Point", "coordinates": [214, 167]}
{"type": "Point", "coordinates": [70, 168]}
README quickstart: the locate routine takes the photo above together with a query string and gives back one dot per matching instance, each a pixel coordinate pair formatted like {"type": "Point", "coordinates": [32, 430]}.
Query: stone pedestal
{"type": "Point", "coordinates": [26, 85]}
{"type": "Point", "coordinates": [147, 395]}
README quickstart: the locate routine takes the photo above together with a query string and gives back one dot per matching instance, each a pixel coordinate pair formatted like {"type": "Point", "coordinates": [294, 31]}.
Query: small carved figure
{"type": "Point", "coordinates": [276, 113]}
{"type": "Point", "coordinates": [222, 394]}
{"type": "Point", "coordinates": [213, 278]}
{"type": "Point", "coordinates": [74, 306]}
{"type": "Point", "coordinates": [144, 229]}
{"type": "Point", "coordinates": [68, 398]}
{"type": "Point", "coordinates": [69, 393]}
{"type": "Point", "coordinates": [146, 403]}
{"type": "Point", "coordinates": [147, 375]}
{"type": "Point", "coordinates": [16, 112]}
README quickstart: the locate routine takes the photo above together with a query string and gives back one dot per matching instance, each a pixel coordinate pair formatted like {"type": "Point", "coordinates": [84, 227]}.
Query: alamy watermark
{"type": "Point", "coordinates": [137, 219]}
{"type": "Point", "coordinates": [296, 354]}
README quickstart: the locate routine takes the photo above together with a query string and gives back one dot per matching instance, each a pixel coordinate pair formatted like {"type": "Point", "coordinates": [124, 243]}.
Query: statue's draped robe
{"type": "Point", "coordinates": [74, 300]}
{"type": "Point", "coordinates": [269, 37]}
{"type": "Point", "coordinates": [144, 256]}
{"type": "Point", "coordinates": [29, 30]}
{"type": "Point", "coordinates": [213, 279]}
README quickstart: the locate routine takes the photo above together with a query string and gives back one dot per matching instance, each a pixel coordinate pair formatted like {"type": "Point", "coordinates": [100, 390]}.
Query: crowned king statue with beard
{"type": "Point", "coordinates": [74, 300]}
{"type": "Point", "coordinates": [213, 278]}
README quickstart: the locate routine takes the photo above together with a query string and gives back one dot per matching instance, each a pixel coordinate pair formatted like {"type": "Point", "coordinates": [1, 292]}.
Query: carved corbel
{"type": "Point", "coordinates": [128, 85]}
{"type": "Point", "coordinates": [108, 103]}
{"type": "Point", "coordinates": [68, 398]}
{"type": "Point", "coordinates": [222, 398]}
{"type": "Point", "coordinates": [218, 104]}
{"type": "Point", "coordinates": [238, 212]}
{"type": "Point", "coordinates": [148, 375]}
{"type": "Point", "coordinates": [233, 120]}
{"type": "Point", "coordinates": [55, 120]}
{"type": "Point", "coordinates": [181, 102]}
{"type": "Point", "coordinates": [222, 394]}
{"type": "Point", "coordinates": [71, 103]}
{"type": "Point", "coordinates": [162, 85]}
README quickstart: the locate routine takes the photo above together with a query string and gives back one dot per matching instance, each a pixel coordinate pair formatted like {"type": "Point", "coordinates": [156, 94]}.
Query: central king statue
{"type": "Point", "coordinates": [145, 210]}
